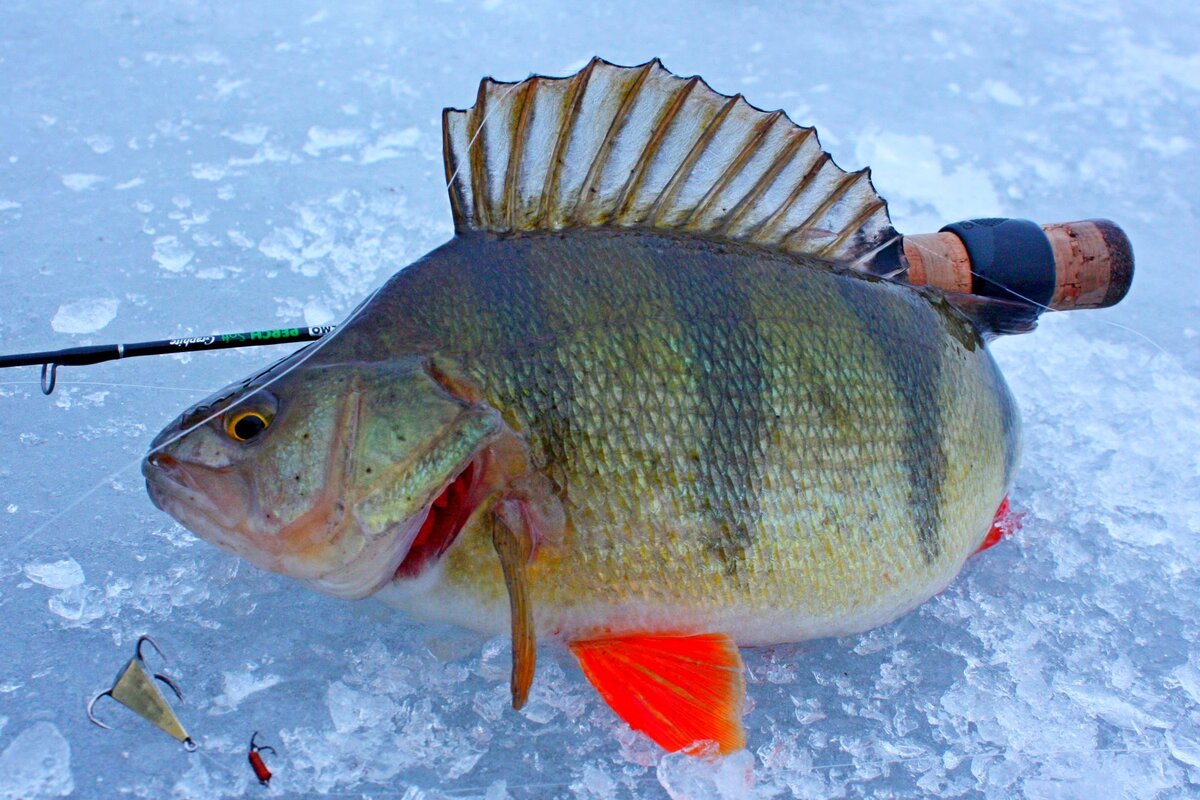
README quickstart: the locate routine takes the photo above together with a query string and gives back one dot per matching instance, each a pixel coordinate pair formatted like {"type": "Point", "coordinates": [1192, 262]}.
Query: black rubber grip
{"type": "Point", "coordinates": [1011, 259]}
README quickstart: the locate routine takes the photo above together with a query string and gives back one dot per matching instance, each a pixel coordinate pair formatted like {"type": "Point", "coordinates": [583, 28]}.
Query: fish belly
{"type": "Point", "coordinates": [742, 442]}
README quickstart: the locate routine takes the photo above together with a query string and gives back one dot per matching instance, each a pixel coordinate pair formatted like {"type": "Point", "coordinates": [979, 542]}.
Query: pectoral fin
{"type": "Point", "coordinates": [676, 689]}
{"type": "Point", "coordinates": [514, 549]}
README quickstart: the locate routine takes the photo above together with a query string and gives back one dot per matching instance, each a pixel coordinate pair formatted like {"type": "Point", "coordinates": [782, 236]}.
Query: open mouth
{"type": "Point", "coordinates": [447, 515]}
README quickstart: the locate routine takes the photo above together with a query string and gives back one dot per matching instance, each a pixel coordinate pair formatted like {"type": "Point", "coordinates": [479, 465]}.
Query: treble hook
{"type": "Point", "coordinates": [135, 690]}
{"type": "Point", "coordinates": [255, 748]}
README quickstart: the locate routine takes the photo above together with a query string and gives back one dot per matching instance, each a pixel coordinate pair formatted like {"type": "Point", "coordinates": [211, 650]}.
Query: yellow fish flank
{"type": "Point", "coordinates": [669, 390]}
{"type": "Point", "coordinates": [741, 443]}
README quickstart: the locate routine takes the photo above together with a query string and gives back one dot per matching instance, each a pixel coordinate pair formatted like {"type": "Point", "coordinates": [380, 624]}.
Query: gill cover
{"type": "Point", "coordinates": [342, 463]}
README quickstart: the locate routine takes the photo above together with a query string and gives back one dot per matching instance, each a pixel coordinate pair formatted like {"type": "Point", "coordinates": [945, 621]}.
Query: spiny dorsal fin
{"type": "Point", "coordinates": [638, 147]}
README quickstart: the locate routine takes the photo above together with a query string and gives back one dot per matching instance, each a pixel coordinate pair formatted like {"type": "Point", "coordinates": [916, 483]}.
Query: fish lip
{"type": "Point", "coordinates": [168, 478]}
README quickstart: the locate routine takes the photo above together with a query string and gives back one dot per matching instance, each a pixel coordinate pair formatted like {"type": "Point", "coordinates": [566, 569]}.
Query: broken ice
{"type": "Point", "coordinates": [172, 169]}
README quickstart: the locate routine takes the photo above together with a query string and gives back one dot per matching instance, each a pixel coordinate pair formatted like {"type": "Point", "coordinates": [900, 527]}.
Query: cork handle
{"type": "Point", "coordinates": [1093, 263]}
{"type": "Point", "coordinates": [938, 259]}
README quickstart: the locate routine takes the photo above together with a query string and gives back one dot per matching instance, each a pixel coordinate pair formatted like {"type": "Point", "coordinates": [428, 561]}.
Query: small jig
{"type": "Point", "coordinates": [135, 690]}
{"type": "Point", "coordinates": [256, 761]}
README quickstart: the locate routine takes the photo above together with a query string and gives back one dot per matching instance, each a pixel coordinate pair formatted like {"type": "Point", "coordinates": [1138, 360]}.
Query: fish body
{"type": "Point", "coordinates": [666, 392]}
{"type": "Point", "coordinates": [740, 441]}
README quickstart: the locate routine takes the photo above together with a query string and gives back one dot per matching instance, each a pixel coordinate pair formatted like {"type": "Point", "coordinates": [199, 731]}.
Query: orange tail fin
{"type": "Point", "coordinates": [675, 689]}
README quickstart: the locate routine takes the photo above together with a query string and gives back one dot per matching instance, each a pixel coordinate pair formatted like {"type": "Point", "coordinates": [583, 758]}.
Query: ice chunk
{"type": "Point", "coordinates": [238, 686]}
{"type": "Point", "coordinates": [322, 139]}
{"type": "Point", "coordinates": [36, 764]}
{"type": "Point", "coordinates": [56, 574]}
{"type": "Point", "coordinates": [99, 144]}
{"type": "Point", "coordinates": [594, 783]}
{"type": "Point", "coordinates": [78, 181]}
{"type": "Point", "coordinates": [170, 254]}
{"type": "Point", "coordinates": [351, 710]}
{"type": "Point", "coordinates": [248, 134]}
{"type": "Point", "coordinates": [1001, 92]}
{"type": "Point", "coordinates": [1184, 741]}
{"type": "Point", "coordinates": [390, 145]}
{"type": "Point", "coordinates": [688, 777]}
{"type": "Point", "coordinates": [208, 172]}
{"type": "Point", "coordinates": [85, 316]}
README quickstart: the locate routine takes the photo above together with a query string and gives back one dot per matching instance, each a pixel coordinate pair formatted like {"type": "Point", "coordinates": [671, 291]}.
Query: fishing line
{"type": "Point", "coordinates": [305, 354]}
{"type": "Point", "coordinates": [1060, 310]}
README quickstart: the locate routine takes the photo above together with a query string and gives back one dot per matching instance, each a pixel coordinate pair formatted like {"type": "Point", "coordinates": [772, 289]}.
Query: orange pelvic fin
{"type": "Point", "coordinates": [676, 689]}
{"type": "Point", "coordinates": [1003, 524]}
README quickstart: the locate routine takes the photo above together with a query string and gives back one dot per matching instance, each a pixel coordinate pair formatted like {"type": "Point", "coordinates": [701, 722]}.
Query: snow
{"type": "Point", "coordinates": [915, 163]}
{"type": "Point", "coordinates": [206, 168]}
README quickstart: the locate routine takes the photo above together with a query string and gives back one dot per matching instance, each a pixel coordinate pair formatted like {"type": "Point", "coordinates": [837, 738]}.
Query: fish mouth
{"type": "Point", "coordinates": [218, 494]}
{"type": "Point", "coordinates": [440, 523]}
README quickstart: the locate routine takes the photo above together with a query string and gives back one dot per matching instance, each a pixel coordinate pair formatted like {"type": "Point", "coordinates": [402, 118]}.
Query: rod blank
{"type": "Point", "coordinates": [51, 360]}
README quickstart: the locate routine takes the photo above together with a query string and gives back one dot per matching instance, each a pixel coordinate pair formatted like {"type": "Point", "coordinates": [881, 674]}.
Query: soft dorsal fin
{"type": "Point", "coordinates": [638, 147]}
{"type": "Point", "coordinates": [992, 316]}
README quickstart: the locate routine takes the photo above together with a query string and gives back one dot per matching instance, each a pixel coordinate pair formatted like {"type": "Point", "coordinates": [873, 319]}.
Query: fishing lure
{"type": "Point", "coordinates": [256, 761]}
{"type": "Point", "coordinates": [135, 690]}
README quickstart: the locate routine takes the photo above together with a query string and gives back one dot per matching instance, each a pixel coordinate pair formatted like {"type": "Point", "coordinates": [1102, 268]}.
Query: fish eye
{"type": "Point", "coordinates": [245, 425]}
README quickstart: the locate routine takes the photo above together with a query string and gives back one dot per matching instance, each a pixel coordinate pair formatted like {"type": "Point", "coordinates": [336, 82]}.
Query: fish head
{"type": "Point", "coordinates": [343, 476]}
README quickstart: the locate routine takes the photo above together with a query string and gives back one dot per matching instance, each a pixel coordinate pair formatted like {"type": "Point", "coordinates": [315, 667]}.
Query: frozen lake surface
{"type": "Point", "coordinates": [171, 169]}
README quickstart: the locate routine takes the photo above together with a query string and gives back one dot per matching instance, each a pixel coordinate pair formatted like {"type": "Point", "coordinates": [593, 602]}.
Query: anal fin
{"type": "Point", "coordinates": [676, 689]}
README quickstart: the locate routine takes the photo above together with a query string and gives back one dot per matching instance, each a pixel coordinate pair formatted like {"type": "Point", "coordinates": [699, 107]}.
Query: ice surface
{"type": "Point", "coordinates": [36, 764]}
{"type": "Point", "coordinates": [202, 168]}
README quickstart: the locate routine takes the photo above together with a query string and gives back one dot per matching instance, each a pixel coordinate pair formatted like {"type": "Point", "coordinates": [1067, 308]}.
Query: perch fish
{"type": "Point", "coordinates": [671, 389]}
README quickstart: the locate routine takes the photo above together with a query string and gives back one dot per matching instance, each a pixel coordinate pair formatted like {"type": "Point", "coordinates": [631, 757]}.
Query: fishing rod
{"type": "Point", "coordinates": [51, 360]}
{"type": "Point", "coordinates": [1069, 265]}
